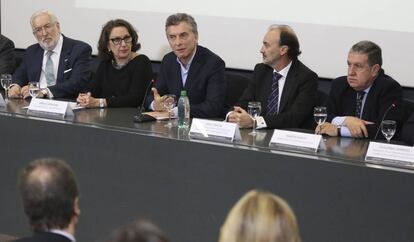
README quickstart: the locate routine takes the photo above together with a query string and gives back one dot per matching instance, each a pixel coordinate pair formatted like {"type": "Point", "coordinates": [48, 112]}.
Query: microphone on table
{"type": "Point", "coordinates": [141, 117]}
{"type": "Point", "coordinates": [383, 117]}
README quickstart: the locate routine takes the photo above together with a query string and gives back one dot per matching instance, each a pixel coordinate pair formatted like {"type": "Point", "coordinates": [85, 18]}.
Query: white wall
{"type": "Point", "coordinates": [234, 29]}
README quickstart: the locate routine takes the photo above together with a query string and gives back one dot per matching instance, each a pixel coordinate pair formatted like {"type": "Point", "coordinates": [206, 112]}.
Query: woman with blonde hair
{"type": "Point", "coordinates": [260, 217]}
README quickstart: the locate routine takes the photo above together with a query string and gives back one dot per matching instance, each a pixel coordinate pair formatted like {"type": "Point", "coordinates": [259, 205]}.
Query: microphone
{"type": "Point", "coordinates": [141, 117]}
{"type": "Point", "coordinates": [383, 117]}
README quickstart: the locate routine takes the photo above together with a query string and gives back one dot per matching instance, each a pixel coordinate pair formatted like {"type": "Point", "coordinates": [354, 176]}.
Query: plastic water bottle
{"type": "Point", "coordinates": [183, 110]}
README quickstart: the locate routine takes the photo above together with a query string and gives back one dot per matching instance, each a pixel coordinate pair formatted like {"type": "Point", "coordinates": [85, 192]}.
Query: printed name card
{"type": "Point", "coordinates": [390, 154]}
{"type": "Point", "coordinates": [214, 130]}
{"type": "Point", "coordinates": [2, 102]}
{"type": "Point", "coordinates": [295, 140]}
{"type": "Point", "coordinates": [50, 106]}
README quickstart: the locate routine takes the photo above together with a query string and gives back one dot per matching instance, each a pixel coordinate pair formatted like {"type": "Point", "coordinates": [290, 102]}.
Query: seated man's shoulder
{"type": "Point", "coordinates": [387, 80]}
{"type": "Point", "coordinates": [261, 67]}
{"type": "Point", "coordinates": [208, 56]}
{"type": "Point", "coordinates": [304, 69]}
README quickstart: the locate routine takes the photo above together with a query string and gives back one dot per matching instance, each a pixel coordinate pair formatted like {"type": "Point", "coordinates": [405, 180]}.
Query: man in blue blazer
{"type": "Point", "coordinates": [58, 63]}
{"type": "Point", "coordinates": [284, 86]}
{"type": "Point", "coordinates": [190, 67]}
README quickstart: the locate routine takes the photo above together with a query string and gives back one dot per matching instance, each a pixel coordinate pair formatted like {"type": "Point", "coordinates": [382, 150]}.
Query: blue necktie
{"type": "Point", "coordinates": [49, 73]}
{"type": "Point", "coordinates": [358, 106]}
{"type": "Point", "coordinates": [273, 99]}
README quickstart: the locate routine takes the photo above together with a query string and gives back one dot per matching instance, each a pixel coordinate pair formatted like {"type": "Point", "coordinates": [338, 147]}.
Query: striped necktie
{"type": "Point", "coordinates": [273, 99]}
{"type": "Point", "coordinates": [358, 106]}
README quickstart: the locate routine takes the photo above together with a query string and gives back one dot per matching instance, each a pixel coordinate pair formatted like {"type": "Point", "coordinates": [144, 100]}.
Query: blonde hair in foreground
{"type": "Point", "coordinates": [260, 217]}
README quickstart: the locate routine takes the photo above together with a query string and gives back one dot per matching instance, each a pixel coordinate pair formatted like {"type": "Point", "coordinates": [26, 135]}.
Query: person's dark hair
{"type": "Point", "coordinates": [177, 18]}
{"type": "Point", "coordinates": [288, 38]}
{"type": "Point", "coordinates": [48, 190]}
{"type": "Point", "coordinates": [138, 231]}
{"type": "Point", "coordinates": [106, 31]}
{"type": "Point", "coordinates": [371, 49]}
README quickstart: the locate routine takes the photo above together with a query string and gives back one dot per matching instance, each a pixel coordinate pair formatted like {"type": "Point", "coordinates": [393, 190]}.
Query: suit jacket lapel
{"type": "Point", "coordinates": [38, 63]}
{"type": "Point", "coordinates": [178, 82]}
{"type": "Point", "coordinates": [266, 88]}
{"type": "Point", "coordinates": [194, 68]}
{"type": "Point", "coordinates": [289, 86]}
{"type": "Point", "coordinates": [64, 59]}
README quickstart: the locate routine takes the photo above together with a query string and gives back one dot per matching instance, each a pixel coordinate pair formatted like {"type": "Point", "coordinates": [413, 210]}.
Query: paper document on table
{"type": "Point", "coordinates": [158, 115]}
{"type": "Point", "coordinates": [75, 105]}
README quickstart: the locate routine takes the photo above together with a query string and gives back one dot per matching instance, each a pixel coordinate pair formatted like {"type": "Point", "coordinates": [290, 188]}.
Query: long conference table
{"type": "Point", "coordinates": [130, 170]}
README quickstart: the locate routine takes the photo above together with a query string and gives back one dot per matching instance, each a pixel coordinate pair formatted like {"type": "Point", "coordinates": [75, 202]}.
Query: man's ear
{"type": "Point", "coordinates": [375, 69]}
{"type": "Point", "coordinates": [76, 207]}
{"type": "Point", "coordinates": [284, 50]}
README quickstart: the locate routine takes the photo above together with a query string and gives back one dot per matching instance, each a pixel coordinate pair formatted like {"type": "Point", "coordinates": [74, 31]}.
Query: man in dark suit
{"type": "Point", "coordinates": [58, 63]}
{"type": "Point", "coordinates": [360, 101]}
{"type": "Point", "coordinates": [284, 86]}
{"type": "Point", "coordinates": [190, 67]}
{"type": "Point", "coordinates": [408, 130]}
{"type": "Point", "coordinates": [7, 57]}
{"type": "Point", "coordinates": [50, 199]}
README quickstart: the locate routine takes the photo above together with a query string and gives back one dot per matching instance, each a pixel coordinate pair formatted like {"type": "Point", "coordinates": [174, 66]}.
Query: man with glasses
{"type": "Point", "coordinates": [58, 63]}
{"type": "Point", "coordinates": [190, 67]}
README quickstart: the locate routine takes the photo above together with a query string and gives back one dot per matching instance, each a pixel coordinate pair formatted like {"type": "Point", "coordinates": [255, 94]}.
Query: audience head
{"type": "Point", "coordinates": [182, 35]}
{"type": "Point", "coordinates": [364, 64]}
{"type": "Point", "coordinates": [46, 29]}
{"type": "Point", "coordinates": [138, 231]}
{"type": "Point", "coordinates": [49, 194]}
{"type": "Point", "coordinates": [118, 40]}
{"type": "Point", "coordinates": [260, 217]}
{"type": "Point", "coordinates": [280, 43]}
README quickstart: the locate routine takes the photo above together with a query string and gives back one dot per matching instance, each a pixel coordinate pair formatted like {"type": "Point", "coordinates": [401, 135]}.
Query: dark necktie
{"type": "Point", "coordinates": [358, 106]}
{"type": "Point", "coordinates": [273, 99]}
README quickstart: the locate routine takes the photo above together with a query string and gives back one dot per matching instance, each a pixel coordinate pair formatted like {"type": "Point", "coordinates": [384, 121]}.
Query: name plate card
{"type": "Point", "coordinates": [50, 107]}
{"type": "Point", "coordinates": [214, 130]}
{"type": "Point", "coordinates": [2, 102]}
{"type": "Point", "coordinates": [390, 154]}
{"type": "Point", "coordinates": [295, 140]}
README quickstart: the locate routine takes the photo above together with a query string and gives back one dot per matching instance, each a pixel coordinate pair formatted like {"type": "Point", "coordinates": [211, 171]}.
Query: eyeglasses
{"type": "Point", "coordinates": [46, 27]}
{"type": "Point", "coordinates": [118, 41]}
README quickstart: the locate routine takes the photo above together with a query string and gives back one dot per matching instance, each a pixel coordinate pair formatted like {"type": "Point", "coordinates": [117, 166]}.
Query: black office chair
{"type": "Point", "coordinates": [236, 84]}
{"type": "Point", "coordinates": [408, 106]}
{"type": "Point", "coordinates": [321, 100]}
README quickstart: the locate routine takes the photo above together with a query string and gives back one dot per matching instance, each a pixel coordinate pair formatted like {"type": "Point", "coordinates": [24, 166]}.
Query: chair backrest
{"type": "Point", "coordinates": [7, 238]}
{"type": "Point", "coordinates": [321, 100]}
{"type": "Point", "coordinates": [236, 84]}
{"type": "Point", "coordinates": [408, 108]}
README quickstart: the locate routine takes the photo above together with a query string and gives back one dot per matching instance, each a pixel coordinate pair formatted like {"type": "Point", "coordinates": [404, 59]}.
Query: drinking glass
{"type": "Point", "coordinates": [320, 114]}
{"type": "Point", "coordinates": [34, 88]}
{"type": "Point", "coordinates": [6, 80]}
{"type": "Point", "coordinates": [169, 104]}
{"type": "Point", "coordinates": [388, 128]}
{"type": "Point", "coordinates": [254, 109]}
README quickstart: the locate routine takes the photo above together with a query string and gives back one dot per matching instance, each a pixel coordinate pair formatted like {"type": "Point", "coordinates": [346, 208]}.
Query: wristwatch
{"type": "Point", "coordinates": [101, 103]}
{"type": "Point", "coordinates": [338, 130]}
{"type": "Point", "coordinates": [44, 92]}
